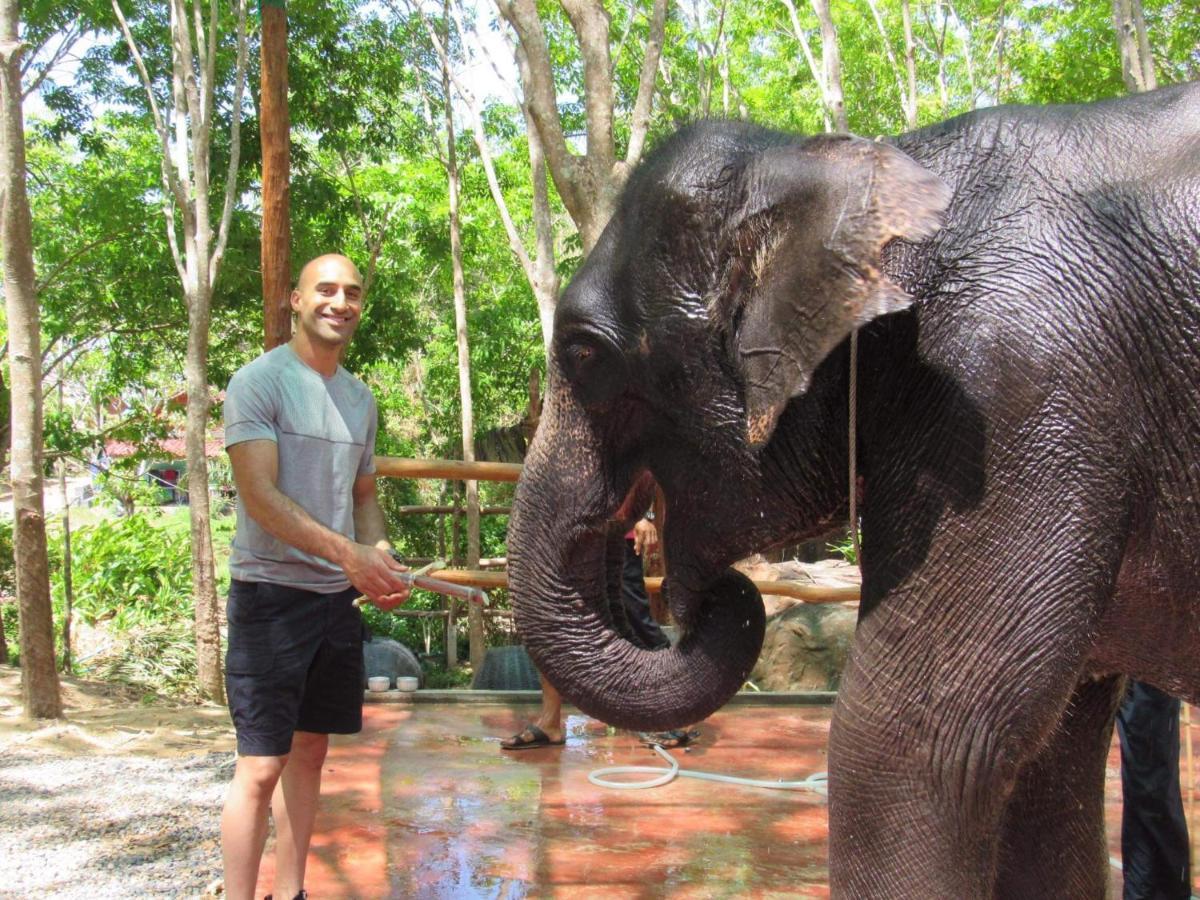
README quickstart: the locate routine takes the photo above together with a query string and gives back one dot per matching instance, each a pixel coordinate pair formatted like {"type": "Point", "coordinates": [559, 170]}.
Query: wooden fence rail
{"type": "Point", "coordinates": [809, 593]}
{"type": "Point", "coordinates": [456, 469]}
{"type": "Point", "coordinates": [450, 510]}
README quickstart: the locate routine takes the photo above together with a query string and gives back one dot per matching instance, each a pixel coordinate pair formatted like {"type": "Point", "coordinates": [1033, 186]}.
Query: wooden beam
{"type": "Point", "coordinates": [393, 467]}
{"type": "Point", "coordinates": [450, 511]}
{"type": "Point", "coordinates": [809, 593]}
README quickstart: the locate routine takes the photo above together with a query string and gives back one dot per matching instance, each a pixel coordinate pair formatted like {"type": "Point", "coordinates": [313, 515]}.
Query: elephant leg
{"type": "Point", "coordinates": [959, 677]}
{"type": "Point", "coordinates": [920, 774]}
{"type": "Point", "coordinates": [1053, 840]}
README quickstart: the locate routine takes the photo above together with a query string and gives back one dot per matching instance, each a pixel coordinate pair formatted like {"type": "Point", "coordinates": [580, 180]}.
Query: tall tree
{"type": "Point", "coordinates": [474, 613]}
{"type": "Point", "coordinates": [828, 74]}
{"type": "Point", "coordinates": [539, 270]}
{"type": "Point", "coordinates": [185, 134]}
{"type": "Point", "coordinates": [906, 78]}
{"type": "Point", "coordinates": [39, 680]}
{"type": "Point", "coordinates": [589, 184]}
{"type": "Point", "coordinates": [1137, 62]}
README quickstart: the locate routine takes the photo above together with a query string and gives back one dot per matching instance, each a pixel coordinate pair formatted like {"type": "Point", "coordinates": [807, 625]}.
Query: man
{"type": "Point", "coordinates": [300, 432]}
{"type": "Point", "coordinates": [547, 729]}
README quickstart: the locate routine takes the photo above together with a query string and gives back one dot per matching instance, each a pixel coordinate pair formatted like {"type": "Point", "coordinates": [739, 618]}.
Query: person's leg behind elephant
{"type": "Point", "coordinates": [1154, 835]}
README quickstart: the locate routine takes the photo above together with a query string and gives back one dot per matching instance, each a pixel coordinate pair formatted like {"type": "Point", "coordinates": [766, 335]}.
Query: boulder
{"type": "Point", "coordinates": [384, 656]}
{"type": "Point", "coordinates": [806, 644]}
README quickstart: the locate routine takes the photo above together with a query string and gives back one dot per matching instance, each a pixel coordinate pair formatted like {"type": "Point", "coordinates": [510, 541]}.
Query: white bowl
{"type": "Point", "coordinates": [378, 683]}
{"type": "Point", "coordinates": [406, 683]}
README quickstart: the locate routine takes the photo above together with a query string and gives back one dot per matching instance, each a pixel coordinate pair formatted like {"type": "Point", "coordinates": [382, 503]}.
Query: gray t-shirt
{"type": "Point", "coordinates": [325, 432]}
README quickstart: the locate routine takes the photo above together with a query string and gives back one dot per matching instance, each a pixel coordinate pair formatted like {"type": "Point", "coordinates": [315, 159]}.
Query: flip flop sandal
{"type": "Point", "coordinates": [538, 738]}
{"type": "Point", "coordinates": [668, 740]}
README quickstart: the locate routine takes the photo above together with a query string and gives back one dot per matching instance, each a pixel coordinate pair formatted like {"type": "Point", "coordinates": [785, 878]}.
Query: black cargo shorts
{"type": "Point", "coordinates": [295, 663]}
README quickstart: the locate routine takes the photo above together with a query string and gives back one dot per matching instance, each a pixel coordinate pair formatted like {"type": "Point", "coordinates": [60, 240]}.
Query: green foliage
{"type": "Point", "coordinates": [131, 572]}
{"type": "Point", "coordinates": [438, 677]}
{"type": "Point", "coordinates": [845, 548]}
{"type": "Point", "coordinates": [8, 570]}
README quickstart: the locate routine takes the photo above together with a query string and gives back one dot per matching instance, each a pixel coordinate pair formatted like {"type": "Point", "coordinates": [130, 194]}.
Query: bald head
{"type": "Point", "coordinates": [339, 268]}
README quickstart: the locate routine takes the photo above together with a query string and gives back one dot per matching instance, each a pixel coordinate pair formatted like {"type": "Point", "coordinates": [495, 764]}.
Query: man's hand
{"type": "Point", "coordinates": [373, 571]}
{"type": "Point", "coordinates": [391, 601]}
{"type": "Point", "coordinates": [645, 537]}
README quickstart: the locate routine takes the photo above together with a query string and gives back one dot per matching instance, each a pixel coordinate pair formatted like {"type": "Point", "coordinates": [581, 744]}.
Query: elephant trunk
{"type": "Point", "coordinates": [557, 565]}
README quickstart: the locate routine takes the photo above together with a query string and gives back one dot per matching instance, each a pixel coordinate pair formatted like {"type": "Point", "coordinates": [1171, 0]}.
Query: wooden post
{"type": "Point", "coordinates": [276, 213]}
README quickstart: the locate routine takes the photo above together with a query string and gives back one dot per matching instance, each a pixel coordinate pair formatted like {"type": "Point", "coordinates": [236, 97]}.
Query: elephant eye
{"type": "Point", "coordinates": [581, 354]}
{"type": "Point", "coordinates": [595, 368]}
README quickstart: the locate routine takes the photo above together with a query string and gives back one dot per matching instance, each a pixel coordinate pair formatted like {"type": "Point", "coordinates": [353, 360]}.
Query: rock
{"type": "Point", "coordinates": [383, 656]}
{"type": "Point", "coordinates": [806, 644]}
{"type": "Point", "coordinates": [805, 648]}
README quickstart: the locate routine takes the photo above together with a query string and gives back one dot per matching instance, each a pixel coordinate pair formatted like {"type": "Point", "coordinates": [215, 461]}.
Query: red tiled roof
{"type": "Point", "coordinates": [172, 447]}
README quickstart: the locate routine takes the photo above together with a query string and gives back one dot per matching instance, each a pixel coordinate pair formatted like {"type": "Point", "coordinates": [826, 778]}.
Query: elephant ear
{"type": "Point", "coordinates": [801, 264]}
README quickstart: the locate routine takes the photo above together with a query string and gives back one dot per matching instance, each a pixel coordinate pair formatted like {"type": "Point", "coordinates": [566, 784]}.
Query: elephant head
{"type": "Point", "coordinates": [685, 347]}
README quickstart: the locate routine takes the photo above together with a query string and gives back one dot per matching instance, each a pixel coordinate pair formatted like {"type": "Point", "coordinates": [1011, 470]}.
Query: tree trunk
{"type": "Point", "coordinates": [186, 182]}
{"type": "Point", "coordinates": [204, 585]}
{"type": "Point", "coordinates": [910, 66]}
{"type": "Point", "coordinates": [589, 185]}
{"type": "Point", "coordinates": [832, 64]}
{"type": "Point", "coordinates": [1137, 62]}
{"type": "Point", "coordinates": [474, 613]}
{"type": "Point", "coordinates": [276, 219]}
{"type": "Point", "coordinates": [39, 678]}
{"type": "Point", "coordinates": [545, 279]}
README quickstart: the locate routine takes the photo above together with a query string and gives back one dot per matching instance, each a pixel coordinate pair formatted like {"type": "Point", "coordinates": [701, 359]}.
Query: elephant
{"type": "Point", "coordinates": [1022, 289]}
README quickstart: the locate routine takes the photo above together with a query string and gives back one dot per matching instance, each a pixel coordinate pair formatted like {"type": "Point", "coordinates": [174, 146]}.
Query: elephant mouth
{"type": "Point", "coordinates": [569, 619]}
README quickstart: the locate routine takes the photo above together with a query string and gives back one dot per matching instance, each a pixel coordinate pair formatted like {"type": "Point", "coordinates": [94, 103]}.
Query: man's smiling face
{"type": "Point", "coordinates": [328, 300]}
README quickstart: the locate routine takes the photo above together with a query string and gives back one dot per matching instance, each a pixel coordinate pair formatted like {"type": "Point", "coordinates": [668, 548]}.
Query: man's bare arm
{"type": "Point", "coordinates": [256, 472]}
{"type": "Point", "coordinates": [370, 528]}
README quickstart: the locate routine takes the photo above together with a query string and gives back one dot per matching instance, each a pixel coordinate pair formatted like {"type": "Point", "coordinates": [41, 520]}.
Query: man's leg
{"type": "Point", "coordinates": [549, 720]}
{"type": "Point", "coordinates": [295, 808]}
{"type": "Point", "coordinates": [636, 603]}
{"type": "Point", "coordinates": [1154, 838]}
{"type": "Point", "coordinates": [244, 821]}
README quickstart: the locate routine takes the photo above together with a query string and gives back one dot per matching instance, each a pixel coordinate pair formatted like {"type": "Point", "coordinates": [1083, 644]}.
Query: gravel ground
{"type": "Point", "coordinates": [108, 826]}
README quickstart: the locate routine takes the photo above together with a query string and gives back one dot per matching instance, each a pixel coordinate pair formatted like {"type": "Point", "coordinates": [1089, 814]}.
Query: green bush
{"type": "Point", "coordinates": [8, 568]}
{"type": "Point", "coordinates": [438, 677]}
{"type": "Point", "coordinates": [132, 572]}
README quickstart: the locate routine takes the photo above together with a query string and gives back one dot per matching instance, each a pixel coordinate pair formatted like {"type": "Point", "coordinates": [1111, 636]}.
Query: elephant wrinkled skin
{"type": "Point", "coordinates": [1026, 283]}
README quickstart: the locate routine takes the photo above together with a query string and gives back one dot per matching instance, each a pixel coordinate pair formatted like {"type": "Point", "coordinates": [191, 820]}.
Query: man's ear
{"type": "Point", "coordinates": [801, 264]}
{"type": "Point", "coordinates": [294, 301]}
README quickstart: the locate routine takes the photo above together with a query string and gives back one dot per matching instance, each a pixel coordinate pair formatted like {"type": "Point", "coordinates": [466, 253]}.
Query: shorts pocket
{"type": "Point", "coordinates": [244, 658]}
{"type": "Point", "coordinates": [253, 603]}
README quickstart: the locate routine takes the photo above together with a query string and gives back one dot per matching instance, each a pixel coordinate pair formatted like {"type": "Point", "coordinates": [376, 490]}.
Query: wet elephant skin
{"type": "Point", "coordinates": [1025, 284]}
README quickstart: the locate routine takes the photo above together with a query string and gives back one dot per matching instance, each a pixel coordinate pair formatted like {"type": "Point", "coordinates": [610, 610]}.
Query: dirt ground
{"type": "Point", "coordinates": [101, 717]}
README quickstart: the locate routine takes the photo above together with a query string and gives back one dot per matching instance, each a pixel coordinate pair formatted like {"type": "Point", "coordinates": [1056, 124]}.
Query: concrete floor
{"type": "Point", "coordinates": [425, 804]}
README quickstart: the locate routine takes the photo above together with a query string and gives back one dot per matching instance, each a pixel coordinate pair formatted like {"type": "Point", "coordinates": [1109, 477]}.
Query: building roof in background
{"type": "Point", "coordinates": [172, 447]}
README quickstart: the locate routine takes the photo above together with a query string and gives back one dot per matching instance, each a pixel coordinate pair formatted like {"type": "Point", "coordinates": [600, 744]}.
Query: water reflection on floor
{"type": "Point", "coordinates": [425, 804]}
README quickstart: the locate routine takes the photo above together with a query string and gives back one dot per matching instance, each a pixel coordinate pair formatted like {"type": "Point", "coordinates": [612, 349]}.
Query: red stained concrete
{"type": "Point", "coordinates": [424, 803]}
